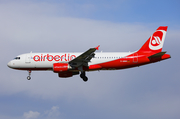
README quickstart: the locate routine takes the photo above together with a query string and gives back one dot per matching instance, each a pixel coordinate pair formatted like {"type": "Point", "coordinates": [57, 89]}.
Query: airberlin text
{"type": "Point", "coordinates": [48, 57]}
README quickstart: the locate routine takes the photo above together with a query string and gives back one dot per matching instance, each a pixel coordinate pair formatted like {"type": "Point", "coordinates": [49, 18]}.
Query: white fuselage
{"type": "Point", "coordinates": [46, 60]}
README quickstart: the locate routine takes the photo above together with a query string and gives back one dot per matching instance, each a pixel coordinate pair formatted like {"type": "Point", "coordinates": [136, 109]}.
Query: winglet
{"type": "Point", "coordinates": [97, 48]}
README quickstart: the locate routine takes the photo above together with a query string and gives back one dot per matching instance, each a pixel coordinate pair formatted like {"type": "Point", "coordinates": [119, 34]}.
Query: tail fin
{"type": "Point", "coordinates": [156, 41]}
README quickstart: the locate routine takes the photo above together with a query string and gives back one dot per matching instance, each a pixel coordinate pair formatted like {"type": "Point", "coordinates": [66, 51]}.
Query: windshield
{"type": "Point", "coordinates": [17, 58]}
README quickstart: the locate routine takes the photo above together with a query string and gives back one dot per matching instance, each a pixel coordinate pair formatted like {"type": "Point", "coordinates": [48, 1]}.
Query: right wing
{"type": "Point", "coordinates": [84, 58]}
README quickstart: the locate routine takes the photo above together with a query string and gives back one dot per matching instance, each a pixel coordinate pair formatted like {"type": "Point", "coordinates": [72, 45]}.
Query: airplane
{"type": "Point", "coordinates": [69, 64]}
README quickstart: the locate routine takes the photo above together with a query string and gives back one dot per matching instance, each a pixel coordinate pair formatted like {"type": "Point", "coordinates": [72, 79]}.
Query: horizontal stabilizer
{"type": "Point", "coordinates": [157, 55]}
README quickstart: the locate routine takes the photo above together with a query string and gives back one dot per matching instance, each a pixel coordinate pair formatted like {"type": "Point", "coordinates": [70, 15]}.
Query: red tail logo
{"type": "Point", "coordinates": [156, 40]}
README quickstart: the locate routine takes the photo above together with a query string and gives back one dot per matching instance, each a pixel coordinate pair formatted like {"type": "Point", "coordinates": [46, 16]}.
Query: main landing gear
{"type": "Point", "coordinates": [29, 77]}
{"type": "Point", "coordinates": [83, 76]}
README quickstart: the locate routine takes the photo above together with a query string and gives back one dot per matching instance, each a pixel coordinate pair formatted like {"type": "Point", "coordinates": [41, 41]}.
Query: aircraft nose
{"type": "Point", "coordinates": [9, 64]}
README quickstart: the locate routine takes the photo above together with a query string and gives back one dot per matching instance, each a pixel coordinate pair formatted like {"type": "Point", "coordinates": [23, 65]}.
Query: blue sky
{"type": "Point", "coordinates": [127, 10]}
{"type": "Point", "coordinates": [150, 91]}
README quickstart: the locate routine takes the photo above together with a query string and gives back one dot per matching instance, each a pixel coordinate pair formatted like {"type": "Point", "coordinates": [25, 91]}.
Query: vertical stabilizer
{"type": "Point", "coordinates": [156, 41]}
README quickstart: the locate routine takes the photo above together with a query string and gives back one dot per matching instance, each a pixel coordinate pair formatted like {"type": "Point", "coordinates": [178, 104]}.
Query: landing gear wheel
{"type": "Point", "coordinates": [28, 78]}
{"type": "Point", "coordinates": [85, 78]}
{"type": "Point", "coordinates": [82, 76]}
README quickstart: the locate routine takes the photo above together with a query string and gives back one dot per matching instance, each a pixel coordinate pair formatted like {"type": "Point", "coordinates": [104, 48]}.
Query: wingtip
{"type": "Point", "coordinates": [97, 48]}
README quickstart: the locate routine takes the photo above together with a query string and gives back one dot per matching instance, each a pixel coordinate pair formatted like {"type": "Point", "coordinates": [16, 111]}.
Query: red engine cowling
{"type": "Point", "coordinates": [61, 67]}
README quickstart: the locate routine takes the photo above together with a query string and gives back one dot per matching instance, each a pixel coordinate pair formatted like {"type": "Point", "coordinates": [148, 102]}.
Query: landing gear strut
{"type": "Point", "coordinates": [83, 76]}
{"type": "Point", "coordinates": [29, 77]}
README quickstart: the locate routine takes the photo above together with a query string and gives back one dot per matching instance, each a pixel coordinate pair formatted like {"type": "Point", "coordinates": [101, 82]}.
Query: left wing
{"type": "Point", "coordinates": [84, 58]}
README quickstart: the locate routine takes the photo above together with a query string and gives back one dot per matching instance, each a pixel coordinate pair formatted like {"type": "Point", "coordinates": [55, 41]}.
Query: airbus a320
{"type": "Point", "coordinates": [69, 63]}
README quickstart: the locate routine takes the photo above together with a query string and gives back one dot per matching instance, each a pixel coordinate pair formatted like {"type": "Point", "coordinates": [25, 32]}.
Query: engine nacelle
{"type": "Point", "coordinates": [61, 67]}
{"type": "Point", "coordinates": [67, 74]}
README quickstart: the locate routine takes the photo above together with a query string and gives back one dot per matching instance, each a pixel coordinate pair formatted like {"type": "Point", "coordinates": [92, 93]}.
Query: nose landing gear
{"type": "Point", "coordinates": [29, 77]}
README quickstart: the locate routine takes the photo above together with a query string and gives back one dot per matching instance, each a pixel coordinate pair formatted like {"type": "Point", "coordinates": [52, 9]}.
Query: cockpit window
{"type": "Point", "coordinates": [17, 58]}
